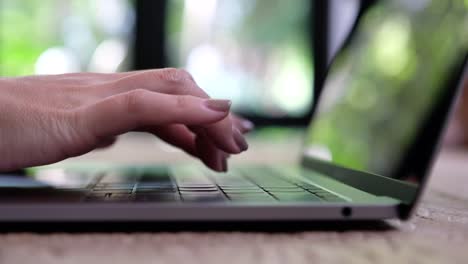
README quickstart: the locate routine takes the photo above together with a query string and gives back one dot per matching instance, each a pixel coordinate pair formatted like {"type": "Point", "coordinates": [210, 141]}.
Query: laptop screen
{"type": "Point", "coordinates": [383, 85]}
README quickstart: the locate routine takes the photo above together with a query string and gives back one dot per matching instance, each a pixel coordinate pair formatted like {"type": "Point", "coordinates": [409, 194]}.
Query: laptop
{"type": "Point", "coordinates": [367, 150]}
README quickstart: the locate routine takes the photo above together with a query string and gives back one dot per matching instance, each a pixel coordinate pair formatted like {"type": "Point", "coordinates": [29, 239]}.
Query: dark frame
{"type": "Point", "coordinates": [423, 151]}
{"type": "Point", "coordinates": [150, 27]}
{"type": "Point", "coordinates": [322, 61]}
{"type": "Point", "coordinates": [149, 50]}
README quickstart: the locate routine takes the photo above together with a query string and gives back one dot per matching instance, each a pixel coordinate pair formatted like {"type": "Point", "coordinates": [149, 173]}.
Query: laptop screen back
{"type": "Point", "coordinates": [385, 82]}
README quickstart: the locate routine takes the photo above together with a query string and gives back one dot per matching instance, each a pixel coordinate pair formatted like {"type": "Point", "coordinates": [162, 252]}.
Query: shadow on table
{"type": "Point", "coordinates": [135, 227]}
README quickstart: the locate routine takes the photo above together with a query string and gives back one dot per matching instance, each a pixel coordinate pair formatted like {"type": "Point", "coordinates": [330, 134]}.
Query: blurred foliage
{"type": "Point", "coordinates": [28, 28]}
{"type": "Point", "coordinates": [382, 86]}
{"type": "Point", "coordinates": [24, 34]}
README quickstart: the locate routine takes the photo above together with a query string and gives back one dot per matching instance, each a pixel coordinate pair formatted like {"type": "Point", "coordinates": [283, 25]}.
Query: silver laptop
{"type": "Point", "coordinates": [367, 150]}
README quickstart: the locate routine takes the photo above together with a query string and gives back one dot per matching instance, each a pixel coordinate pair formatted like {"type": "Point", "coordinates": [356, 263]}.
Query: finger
{"type": "Point", "coordinates": [210, 155]}
{"type": "Point", "coordinates": [106, 143]}
{"type": "Point", "coordinates": [242, 124]}
{"type": "Point", "coordinates": [168, 81]}
{"type": "Point", "coordinates": [176, 135]}
{"type": "Point", "coordinates": [180, 82]}
{"type": "Point", "coordinates": [220, 132]}
{"type": "Point", "coordinates": [125, 112]}
{"type": "Point", "coordinates": [182, 137]}
{"type": "Point", "coordinates": [216, 132]}
{"type": "Point", "coordinates": [176, 81]}
{"type": "Point", "coordinates": [84, 77]}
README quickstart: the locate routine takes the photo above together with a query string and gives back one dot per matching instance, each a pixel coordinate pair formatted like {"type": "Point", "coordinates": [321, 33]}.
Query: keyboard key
{"type": "Point", "coordinates": [253, 187]}
{"type": "Point", "coordinates": [157, 197]}
{"type": "Point", "coordinates": [200, 192]}
{"type": "Point", "coordinates": [155, 174]}
{"type": "Point", "coordinates": [192, 180]}
{"type": "Point", "coordinates": [196, 185]}
{"type": "Point", "coordinates": [233, 182]}
{"type": "Point", "coordinates": [276, 185]}
{"type": "Point", "coordinates": [114, 188]}
{"type": "Point", "coordinates": [99, 191]}
{"type": "Point", "coordinates": [155, 185]}
{"type": "Point", "coordinates": [199, 189]}
{"type": "Point", "coordinates": [241, 191]}
{"type": "Point", "coordinates": [156, 190]}
{"type": "Point", "coordinates": [125, 175]}
{"type": "Point", "coordinates": [285, 189]}
{"type": "Point", "coordinates": [267, 182]}
{"type": "Point", "coordinates": [115, 185]}
{"type": "Point", "coordinates": [202, 197]}
{"type": "Point", "coordinates": [153, 181]}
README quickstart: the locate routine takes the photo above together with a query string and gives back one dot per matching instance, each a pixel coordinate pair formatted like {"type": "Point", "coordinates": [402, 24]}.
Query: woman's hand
{"type": "Point", "coordinates": [45, 119]}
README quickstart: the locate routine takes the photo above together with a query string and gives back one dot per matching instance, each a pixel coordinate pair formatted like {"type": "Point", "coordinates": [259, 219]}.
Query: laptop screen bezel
{"type": "Point", "coordinates": [421, 154]}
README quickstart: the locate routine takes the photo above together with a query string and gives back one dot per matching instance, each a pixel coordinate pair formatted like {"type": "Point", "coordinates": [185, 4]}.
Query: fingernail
{"type": "Point", "coordinates": [218, 105]}
{"type": "Point", "coordinates": [240, 140]}
{"type": "Point", "coordinates": [247, 125]}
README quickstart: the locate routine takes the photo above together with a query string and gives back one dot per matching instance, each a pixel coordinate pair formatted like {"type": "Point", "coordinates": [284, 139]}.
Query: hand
{"type": "Point", "coordinates": [45, 119]}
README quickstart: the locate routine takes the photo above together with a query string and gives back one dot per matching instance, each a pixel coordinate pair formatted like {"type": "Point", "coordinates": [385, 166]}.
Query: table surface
{"type": "Point", "coordinates": [438, 232]}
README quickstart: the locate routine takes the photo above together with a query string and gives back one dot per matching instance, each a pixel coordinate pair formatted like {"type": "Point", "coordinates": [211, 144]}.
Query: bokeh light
{"type": "Point", "coordinates": [53, 36]}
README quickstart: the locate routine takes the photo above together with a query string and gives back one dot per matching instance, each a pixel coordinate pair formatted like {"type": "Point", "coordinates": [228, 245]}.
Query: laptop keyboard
{"type": "Point", "coordinates": [237, 186]}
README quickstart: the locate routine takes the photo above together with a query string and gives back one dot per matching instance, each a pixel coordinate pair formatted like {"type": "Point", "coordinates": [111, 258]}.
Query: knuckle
{"type": "Point", "coordinates": [182, 101]}
{"type": "Point", "coordinates": [185, 75]}
{"type": "Point", "coordinates": [176, 75]}
{"type": "Point", "coordinates": [182, 81]}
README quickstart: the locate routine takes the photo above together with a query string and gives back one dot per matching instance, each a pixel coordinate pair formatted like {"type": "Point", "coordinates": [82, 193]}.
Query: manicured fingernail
{"type": "Point", "coordinates": [218, 105]}
{"type": "Point", "coordinates": [247, 125]}
{"type": "Point", "coordinates": [240, 140]}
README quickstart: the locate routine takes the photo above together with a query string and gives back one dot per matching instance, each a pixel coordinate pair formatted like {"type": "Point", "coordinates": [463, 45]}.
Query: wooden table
{"type": "Point", "coordinates": [438, 233]}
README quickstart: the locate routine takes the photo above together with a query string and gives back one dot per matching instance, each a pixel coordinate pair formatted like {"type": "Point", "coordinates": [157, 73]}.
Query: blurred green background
{"type": "Point", "coordinates": [53, 36]}
{"type": "Point", "coordinates": [381, 88]}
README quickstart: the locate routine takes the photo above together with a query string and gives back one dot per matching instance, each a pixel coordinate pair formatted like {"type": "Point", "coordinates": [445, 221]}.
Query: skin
{"type": "Point", "coordinates": [46, 119]}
